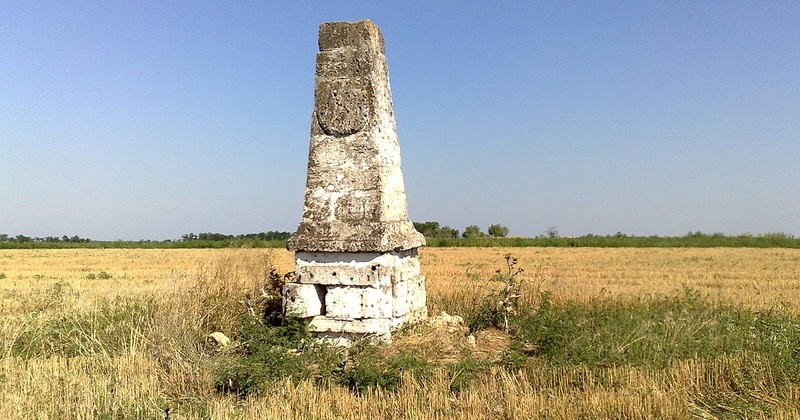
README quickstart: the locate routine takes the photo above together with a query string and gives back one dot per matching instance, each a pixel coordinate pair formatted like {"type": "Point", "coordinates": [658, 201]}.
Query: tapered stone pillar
{"type": "Point", "coordinates": [357, 271]}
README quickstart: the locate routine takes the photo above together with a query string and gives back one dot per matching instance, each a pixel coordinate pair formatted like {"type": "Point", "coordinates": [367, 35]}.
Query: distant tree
{"type": "Point", "coordinates": [551, 232]}
{"type": "Point", "coordinates": [449, 232]}
{"type": "Point", "coordinates": [3, 237]}
{"type": "Point", "coordinates": [498, 231]}
{"type": "Point", "coordinates": [209, 236]}
{"type": "Point", "coordinates": [267, 236]}
{"type": "Point", "coordinates": [429, 229]}
{"type": "Point", "coordinates": [473, 231]}
{"type": "Point", "coordinates": [435, 230]}
{"type": "Point", "coordinates": [188, 237]}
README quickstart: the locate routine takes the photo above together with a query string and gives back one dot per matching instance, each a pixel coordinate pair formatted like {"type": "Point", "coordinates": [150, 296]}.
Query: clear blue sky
{"type": "Point", "coordinates": [151, 119]}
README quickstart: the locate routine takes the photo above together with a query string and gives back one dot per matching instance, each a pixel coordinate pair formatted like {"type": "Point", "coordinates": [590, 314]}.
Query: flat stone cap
{"type": "Point", "coordinates": [360, 35]}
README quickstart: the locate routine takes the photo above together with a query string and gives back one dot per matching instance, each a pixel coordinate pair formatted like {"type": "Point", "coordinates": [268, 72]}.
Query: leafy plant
{"type": "Point", "coordinates": [368, 368]}
{"type": "Point", "coordinates": [464, 373]}
{"type": "Point", "coordinates": [272, 352]}
{"type": "Point", "coordinates": [497, 309]}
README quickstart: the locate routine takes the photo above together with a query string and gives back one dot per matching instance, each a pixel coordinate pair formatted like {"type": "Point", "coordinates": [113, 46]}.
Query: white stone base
{"type": "Point", "coordinates": [349, 296]}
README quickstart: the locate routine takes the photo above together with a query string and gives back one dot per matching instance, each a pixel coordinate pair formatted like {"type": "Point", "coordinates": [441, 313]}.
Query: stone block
{"type": "Point", "coordinates": [362, 35]}
{"type": "Point", "coordinates": [357, 302]}
{"type": "Point", "coordinates": [376, 303]}
{"type": "Point", "coordinates": [348, 275]}
{"type": "Point", "coordinates": [420, 295]}
{"type": "Point", "coordinates": [303, 300]}
{"type": "Point", "coordinates": [346, 62]}
{"type": "Point", "coordinates": [409, 294]}
{"type": "Point", "coordinates": [324, 324]}
{"type": "Point", "coordinates": [400, 299]}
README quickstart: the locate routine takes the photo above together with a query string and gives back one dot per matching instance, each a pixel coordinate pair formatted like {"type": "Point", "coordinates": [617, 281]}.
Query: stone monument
{"type": "Point", "coordinates": [357, 273]}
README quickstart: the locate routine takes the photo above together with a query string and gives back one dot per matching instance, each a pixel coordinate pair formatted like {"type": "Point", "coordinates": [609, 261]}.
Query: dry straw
{"type": "Point", "coordinates": [136, 337]}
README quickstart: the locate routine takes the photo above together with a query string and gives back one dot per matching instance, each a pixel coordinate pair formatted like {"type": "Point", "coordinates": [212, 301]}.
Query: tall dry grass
{"type": "Point", "coordinates": [755, 278]}
{"type": "Point", "coordinates": [131, 343]}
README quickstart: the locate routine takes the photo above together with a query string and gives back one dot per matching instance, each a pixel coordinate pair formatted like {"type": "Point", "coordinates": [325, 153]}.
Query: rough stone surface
{"type": "Point", "coordinates": [359, 285]}
{"type": "Point", "coordinates": [303, 300]}
{"type": "Point", "coordinates": [357, 271]}
{"type": "Point", "coordinates": [344, 275]}
{"type": "Point", "coordinates": [355, 196]}
{"type": "Point", "coordinates": [350, 326]}
{"type": "Point", "coordinates": [357, 302]}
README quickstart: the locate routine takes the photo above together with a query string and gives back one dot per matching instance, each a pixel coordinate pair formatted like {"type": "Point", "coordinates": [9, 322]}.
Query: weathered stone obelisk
{"type": "Point", "coordinates": [357, 272]}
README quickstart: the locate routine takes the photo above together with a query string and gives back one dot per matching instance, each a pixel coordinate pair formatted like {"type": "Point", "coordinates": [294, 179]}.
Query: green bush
{"type": "Point", "coordinates": [464, 373]}
{"type": "Point", "coordinates": [287, 350]}
{"type": "Point", "coordinates": [370, 369]}
{"type": "Point", "coordinates": [488, 313]}
{"type": "Point", "coordinates": [273, 352]}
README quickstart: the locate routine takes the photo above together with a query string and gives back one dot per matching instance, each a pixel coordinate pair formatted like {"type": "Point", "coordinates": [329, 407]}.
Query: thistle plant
{"type": "Point", "coordinates": [509, 296]}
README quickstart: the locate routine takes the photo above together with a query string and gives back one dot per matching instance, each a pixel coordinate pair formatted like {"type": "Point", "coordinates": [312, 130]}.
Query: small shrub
{"type": "Point", "coordinates": [270, 353]}
{"type": "Point", "coordinates": [370, 369]}
{"type": "Point", "coordinates": [515, 357]}
{"type": "Point", "coordinates": [496, 310]}
{"type": "Point", "coordinates": [464, 373]}
{"type": "Point", "coordinates": [487, 314]}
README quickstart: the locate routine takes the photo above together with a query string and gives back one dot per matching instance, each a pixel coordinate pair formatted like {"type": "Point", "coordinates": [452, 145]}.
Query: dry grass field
{"type": "Point", "coordinates": [121, 334]}
{"type": "Point", "coordinates": [756, 278]}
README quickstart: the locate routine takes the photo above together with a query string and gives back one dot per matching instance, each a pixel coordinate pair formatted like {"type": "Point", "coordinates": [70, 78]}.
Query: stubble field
{"type": "Point", "coordinates": [111, 333]}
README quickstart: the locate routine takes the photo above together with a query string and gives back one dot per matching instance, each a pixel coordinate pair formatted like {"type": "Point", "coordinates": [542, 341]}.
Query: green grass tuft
{"type": "Point", "coordinates": [657, 332]}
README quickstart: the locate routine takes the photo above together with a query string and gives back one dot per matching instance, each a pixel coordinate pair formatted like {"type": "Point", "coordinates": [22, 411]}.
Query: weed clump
{"type": "Point", "coordinates": [368, 368]}
{"type": "Point", "coordinates": [465, 373]}
{"type": "Point", "coordinates": [271, 351]}
{"type": "Point", "coordinates": [283, 348]}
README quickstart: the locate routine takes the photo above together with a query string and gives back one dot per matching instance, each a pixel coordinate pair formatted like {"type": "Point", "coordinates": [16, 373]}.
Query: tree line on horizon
{"type": "Point", "coordinates": [4, 237]}
{"type": "Point", "coordinates": [436, 234]}
{"type": "Point", "coordinates": [272, 235]}
{"type": "Point", "coordinates": [187, 237]}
